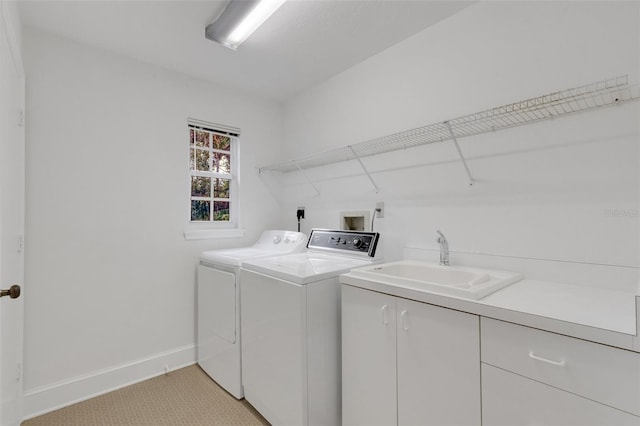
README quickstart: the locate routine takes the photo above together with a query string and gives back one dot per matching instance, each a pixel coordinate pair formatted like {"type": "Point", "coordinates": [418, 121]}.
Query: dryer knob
{"type": "Point", "coordinates": [277, 239]}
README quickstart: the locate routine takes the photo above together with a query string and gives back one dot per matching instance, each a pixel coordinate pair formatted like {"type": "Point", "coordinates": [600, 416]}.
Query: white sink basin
{"type": "Point", "coordinates": [473, 283]}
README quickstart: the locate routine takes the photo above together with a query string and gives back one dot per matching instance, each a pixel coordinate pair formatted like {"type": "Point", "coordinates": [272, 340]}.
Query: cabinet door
{"type": "Point", "coordinates": [512, 400]}
{"type": "Point", "coordinates": [438, 365]}
{"type": "Point", "coordinates": [368, 358]}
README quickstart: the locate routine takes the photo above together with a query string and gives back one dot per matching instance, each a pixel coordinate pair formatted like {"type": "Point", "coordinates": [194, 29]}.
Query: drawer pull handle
{"type": "Point", "coordinates": [403, 316]}
{"type": "Point", "coordinates": [548, 361]}
{"type": "Point", "coordinates": [385, 320]}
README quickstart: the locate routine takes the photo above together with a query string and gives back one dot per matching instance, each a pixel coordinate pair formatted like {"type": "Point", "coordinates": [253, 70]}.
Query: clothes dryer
{"type": "Point", "coordinates": [218, 305]}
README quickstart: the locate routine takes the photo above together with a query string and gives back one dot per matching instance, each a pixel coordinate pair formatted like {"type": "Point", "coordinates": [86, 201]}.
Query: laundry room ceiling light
{"type": "Point", "coordinates": [239, 20]}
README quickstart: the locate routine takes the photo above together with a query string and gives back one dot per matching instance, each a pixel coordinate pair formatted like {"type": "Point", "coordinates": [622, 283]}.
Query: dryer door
{"type": "Point", "coordinates": [218, 346]}
{"type": "Point", "coordinates": [216, 304]}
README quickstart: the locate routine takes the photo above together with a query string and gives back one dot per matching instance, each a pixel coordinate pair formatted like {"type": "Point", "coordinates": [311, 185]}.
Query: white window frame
{"type": "Point", "coordinates": [211, 228]}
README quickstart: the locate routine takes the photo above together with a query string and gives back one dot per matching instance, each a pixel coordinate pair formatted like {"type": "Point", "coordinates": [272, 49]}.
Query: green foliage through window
{"type": "Point", "coordinates": [210, 164]}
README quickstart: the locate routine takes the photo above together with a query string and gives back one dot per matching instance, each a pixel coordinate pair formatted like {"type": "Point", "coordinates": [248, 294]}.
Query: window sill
{"type": "Point", "coordinates": [210, 234]}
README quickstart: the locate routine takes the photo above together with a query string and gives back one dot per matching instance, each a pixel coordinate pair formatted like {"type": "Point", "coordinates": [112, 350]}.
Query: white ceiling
{"type": "Point", "coordinates": [304, 43]}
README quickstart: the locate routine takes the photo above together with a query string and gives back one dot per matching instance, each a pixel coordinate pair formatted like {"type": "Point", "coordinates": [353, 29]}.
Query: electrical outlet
{"type": "Point", "coordinates": [300, 213]}
{"type": "Point", "coordinates": [380, 205]}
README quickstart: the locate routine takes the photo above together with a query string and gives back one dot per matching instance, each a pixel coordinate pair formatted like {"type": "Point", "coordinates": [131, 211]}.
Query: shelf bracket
{"type": "Point", "coordinates": [375, 187]}
{"type": "Point", "coordinates": [307, 178]}
{"type": "Point", "coordinates": [464, 162]}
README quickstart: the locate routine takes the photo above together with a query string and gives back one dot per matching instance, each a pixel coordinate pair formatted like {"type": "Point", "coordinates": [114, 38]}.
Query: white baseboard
{"type": "Point", "coordinates": [44, 399]}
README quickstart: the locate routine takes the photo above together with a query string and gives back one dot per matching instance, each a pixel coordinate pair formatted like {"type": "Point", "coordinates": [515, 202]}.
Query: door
{"type": "Point", "coordinates": [216, 304]}
{"type": "Point", "coordinates": [218, 347]}
{"type": "Point", "coordinates": [11, 218]}
{"type": "Point", "coordinates": [368, 358]}
{"type": "Point", "coordinates": [438, 365]}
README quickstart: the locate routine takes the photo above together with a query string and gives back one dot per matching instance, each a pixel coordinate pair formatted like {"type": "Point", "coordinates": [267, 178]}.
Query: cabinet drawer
{"type": "Point", "coordinates": [512, 400]}
{"type": "Point", "coordinates": [598, 372]}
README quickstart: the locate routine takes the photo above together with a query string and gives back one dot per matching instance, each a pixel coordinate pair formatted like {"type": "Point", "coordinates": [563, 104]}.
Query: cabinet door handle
{"type": "Point", "coordinates": [385, 319]}
{"type": "Point", "coordinates": [403, 317]}
{"type": "Point", "coordinates": [548, 361]}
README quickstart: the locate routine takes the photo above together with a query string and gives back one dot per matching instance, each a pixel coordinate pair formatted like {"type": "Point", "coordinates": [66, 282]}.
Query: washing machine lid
{"type": "Point", "coordinates": [304, 268]}
{"type": "Point", "coordinates": [270, 243]}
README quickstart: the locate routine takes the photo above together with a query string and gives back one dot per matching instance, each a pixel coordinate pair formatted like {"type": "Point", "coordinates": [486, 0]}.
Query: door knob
{"type": "Point", "coordinates": [13, 292]}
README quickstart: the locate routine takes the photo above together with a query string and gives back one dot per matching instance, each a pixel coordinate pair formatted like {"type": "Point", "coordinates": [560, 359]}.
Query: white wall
{"type": "Point", "coordinates": [543, 191]}
{"type": "Point", "coordinates": [109, 276]}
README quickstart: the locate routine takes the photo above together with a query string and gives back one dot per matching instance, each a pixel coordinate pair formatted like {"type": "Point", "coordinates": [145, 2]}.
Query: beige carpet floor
{"type": "Point", "coordinates": [183, 397]}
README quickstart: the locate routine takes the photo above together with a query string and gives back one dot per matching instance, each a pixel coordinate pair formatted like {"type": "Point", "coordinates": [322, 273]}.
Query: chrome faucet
{"type": "Point", "coordinates": [444, 249]}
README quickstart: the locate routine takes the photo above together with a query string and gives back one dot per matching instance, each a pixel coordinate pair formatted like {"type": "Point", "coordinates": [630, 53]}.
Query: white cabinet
{"type": "Point", "coordinates": [438, 365]}
{"type": "Point", "coordinates": [408, 363]}
{"type": "Point", "coordinates": [368, 358]}
{"type": "Point", "coordinates": [512, 400]}
{"type": "Point", "coordinates": [412, 363]}
{"type": "Point", "coordinates": [532, 376]}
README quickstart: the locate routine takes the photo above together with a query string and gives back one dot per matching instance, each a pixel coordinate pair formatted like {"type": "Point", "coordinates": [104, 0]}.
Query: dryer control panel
{"type": "Point", "coordinates": [364, 243]}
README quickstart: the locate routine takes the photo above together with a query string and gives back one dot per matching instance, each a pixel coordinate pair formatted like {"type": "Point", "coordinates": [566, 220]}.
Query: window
{"type": "Point", "coordinates": [213, 165]}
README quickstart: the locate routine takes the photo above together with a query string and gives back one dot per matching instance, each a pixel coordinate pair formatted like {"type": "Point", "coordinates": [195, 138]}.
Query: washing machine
{"type": "Point", "coordinates": [291, 327]}
{"type": "Point", "coordinates": [218, 305]}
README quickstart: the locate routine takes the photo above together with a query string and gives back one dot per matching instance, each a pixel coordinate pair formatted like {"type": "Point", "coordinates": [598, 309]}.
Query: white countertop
{"type": "Point", "coordinates": [590, 313]}
{"type": "Point", "coordinates": [590, 306]}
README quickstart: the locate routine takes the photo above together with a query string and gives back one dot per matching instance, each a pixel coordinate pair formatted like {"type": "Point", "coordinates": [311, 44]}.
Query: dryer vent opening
{"type": "Point", "coordinates": [354, 221]}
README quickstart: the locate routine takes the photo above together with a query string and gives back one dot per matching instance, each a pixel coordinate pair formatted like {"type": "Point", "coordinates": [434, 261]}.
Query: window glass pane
{"type": "Point", "coordinates": [221, 188]}
{"type": "Point", "coordinates": [200, 186]}
{"type": "Point", "coordinates": [202, 160]}
{"type": "Point", "coordinates": [210, 154]}
{"type": "Point", "coordinates": [221, 142]}
{"type": "Point", "coordinates": [221, 211]}
{"type": "Point", "coordinates": [221, 162]}
{"type": "Point", "coordinates": [202, 138]}
{"type": "Point", "coordinates": [200, 210]}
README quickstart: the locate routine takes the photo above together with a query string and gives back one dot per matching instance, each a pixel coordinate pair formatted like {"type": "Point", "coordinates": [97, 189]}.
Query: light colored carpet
{"type": "Point", "coordinates": [183, 397]}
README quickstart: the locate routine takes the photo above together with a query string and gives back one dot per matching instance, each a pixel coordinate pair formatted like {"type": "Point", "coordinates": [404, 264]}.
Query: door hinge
{"type": "Point", "coordinates": [21, 118]}
{"type": "Point", "coordinates": [20, 243]}
{"type": "Point", "coordinates": [19, 373]}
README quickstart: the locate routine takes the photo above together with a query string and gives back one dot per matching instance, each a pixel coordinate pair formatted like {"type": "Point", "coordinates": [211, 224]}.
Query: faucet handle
{"type": "Point", "coordinates": [444, 248]}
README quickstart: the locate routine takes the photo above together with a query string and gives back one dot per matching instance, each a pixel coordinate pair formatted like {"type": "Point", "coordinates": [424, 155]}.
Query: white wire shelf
{"type": "Point", "coordinates": [600, 94]}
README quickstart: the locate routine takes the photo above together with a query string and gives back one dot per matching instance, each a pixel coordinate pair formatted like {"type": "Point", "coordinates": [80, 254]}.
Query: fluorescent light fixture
{"type": "Point", "coordinates": [239, 20]}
